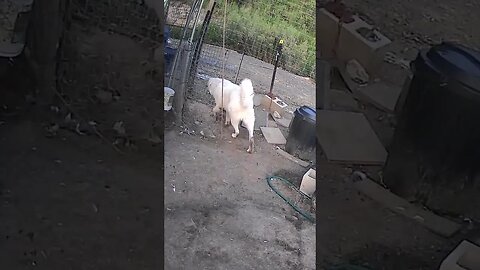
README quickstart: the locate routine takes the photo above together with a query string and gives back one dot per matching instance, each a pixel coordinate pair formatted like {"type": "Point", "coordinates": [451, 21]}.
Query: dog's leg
{"type": "Point", "coordinates": [235, 123]}
{"type": "Point", "coordinates": [227, 118]}
{"type": "Point", "coordinates": [251, 143]}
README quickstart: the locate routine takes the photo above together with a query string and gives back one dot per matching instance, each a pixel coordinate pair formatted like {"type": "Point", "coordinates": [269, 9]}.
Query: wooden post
{"type": "Point", "coordinates": [323, 84]}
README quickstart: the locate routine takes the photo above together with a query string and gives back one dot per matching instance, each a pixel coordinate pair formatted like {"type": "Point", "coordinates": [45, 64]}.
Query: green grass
{"type": "Point", "coordinates": [258, 23]}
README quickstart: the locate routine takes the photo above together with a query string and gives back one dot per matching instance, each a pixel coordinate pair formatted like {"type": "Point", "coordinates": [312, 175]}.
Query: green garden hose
{"type": "Point", "coordinates": [288, 201]}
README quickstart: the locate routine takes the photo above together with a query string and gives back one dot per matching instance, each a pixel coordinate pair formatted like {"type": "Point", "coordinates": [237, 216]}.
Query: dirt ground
{"type": "Point", "coordinates": [220, 212]}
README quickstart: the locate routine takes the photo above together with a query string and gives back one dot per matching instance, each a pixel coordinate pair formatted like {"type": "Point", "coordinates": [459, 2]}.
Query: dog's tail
{"type": "Point", "coordinates": [246, 88]}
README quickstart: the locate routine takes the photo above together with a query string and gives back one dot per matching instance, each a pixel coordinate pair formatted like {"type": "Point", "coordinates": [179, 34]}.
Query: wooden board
{"type": "Point", "coordinates": [399, 205]}
{"type": "Point", "coordinates": [347, 137]}
{"type": "Point", "coordinates": [292, 158]}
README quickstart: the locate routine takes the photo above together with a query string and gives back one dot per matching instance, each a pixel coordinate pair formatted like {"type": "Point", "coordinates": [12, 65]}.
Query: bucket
{"type": "Point", "coordinates": [301, 138]}
{"type": "Point", "coordinates": [168, 98]}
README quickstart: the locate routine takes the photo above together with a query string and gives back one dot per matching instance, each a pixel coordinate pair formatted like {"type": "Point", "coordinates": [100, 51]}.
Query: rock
{"type": "Point", "coordinates": [357, 72]}
{"type": "Point", "coordinates": [119, 128]}
{"type": "Point", "coordinates": [207, 133]}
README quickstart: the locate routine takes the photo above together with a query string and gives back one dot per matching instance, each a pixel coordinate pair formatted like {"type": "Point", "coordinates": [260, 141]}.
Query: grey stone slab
{"type": "Point", "coordinates": [382, 95]}
{"type": "Point", "coordinates": [347, 137]}
{"type": "Point", "coordinates": [342, 100]}
{"type": "Point", "coordinates": [273, 135]}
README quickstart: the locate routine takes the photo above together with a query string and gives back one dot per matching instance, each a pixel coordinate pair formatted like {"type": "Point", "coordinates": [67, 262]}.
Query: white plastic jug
{"type": "Point", "coordinates": [168, 98]}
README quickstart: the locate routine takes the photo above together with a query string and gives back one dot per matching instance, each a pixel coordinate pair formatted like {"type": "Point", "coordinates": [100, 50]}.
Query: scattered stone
{"type": "Point", "coordinates": [68, 119]}
{"type": "Point", "coordinates": [119, 128]}
{"type": "Point", "coordinates": [78, 131]}
{"type": "Point", "coordinates": [52, 130]}
{"type": "Point", "coordinates": [357, 72]}
{"type": "Point", "coordinates": [54, 109]}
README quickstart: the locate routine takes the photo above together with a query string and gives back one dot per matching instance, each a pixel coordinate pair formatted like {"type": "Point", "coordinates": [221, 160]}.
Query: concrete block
{"type": "Point", "coordinates": [308, 182]}
{"type": "Point", "coordinates": [351, 43]}
{"type": "Point", "coordinates": [275, 105]}
{"type": "Point", "coordinates": [457, 259]}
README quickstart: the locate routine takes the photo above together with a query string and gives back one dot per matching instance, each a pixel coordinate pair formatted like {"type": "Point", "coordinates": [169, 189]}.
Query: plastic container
{"type": "Point", "coordinates": [437, 139]}
{"type": "Point", "coordinates": [301, 139]}
{"type": "Point", "coordinates": [168, 98]}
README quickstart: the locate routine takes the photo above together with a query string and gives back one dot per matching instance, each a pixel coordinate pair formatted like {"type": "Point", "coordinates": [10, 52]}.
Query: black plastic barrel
{"type": "Point", "coordinates": [301, 138]}
{"type": "Point", "coordinates": [436, 146]}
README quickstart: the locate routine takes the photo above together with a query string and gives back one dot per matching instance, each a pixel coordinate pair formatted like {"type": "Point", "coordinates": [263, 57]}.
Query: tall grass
{"type": "Point", "coordinates": [254, 25]}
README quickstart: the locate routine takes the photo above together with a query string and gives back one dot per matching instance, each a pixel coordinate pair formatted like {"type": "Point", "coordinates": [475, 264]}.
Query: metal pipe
{"type": "Point", "coordinates": [196, 21]}
{"type": "Point", "coordinates": [181, 42]}
{"type": "Point", "coordinates": [203, 31]}
{"type": "Point", "coordinates": [277, 57]}
{"type": "Point", "coordinates": [240, 65]}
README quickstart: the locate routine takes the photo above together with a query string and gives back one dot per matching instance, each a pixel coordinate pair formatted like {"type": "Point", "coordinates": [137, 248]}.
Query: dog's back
{"type": "Point", "coordinates": [215, 89]}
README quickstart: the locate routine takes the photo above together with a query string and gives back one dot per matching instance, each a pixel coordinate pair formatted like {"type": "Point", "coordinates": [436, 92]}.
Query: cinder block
{"type": "Point", "coordinates": [275, 105]}
{"type": "Point", "coordinates": [351, 44]}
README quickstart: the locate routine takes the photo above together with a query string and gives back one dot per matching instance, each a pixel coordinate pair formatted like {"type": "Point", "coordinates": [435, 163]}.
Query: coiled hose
{"type": "Point", "coordinates": [288, 201]}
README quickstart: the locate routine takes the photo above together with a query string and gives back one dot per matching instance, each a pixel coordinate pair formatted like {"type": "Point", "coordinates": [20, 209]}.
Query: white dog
{"type": "Point", "coordinates": [238, 102]}
{"type": "Point", "coordinates": [215, 89]}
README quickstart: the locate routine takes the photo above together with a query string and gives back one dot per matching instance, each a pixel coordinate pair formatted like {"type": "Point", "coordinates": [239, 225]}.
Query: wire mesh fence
{"type": "Point", "coordinates": [133, 18]}
{"type": "Point", "coordinates": [242, 40]}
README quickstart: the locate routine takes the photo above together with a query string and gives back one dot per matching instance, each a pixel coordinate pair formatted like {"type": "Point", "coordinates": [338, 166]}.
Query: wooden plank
{"type": "Point", "coordinates": [292, 158]}
{"type": "Point", "coordinates": [399, 205]}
